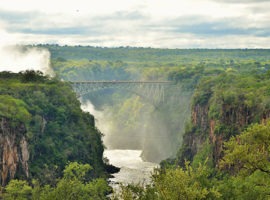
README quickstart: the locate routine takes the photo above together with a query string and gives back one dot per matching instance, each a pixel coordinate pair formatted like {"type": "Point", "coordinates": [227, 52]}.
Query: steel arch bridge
{"type": "Point", "coordinates": [153, 91]}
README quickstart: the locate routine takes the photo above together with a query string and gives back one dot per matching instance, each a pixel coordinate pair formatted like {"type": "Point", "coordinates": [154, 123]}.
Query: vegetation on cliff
{"type": "Point", "coordinates": [43, 128]}
{"type": "Point", "coordinates": [222, 107]}
{"type": "Point", "coordinates": [243, 173]}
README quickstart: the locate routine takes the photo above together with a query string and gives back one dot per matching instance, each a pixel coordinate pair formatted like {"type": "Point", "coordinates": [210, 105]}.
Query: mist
{"type": "Point", "coordinates": [101, 122]}
{"type": "Point", "coordinates": [15, 58]}
{"type": "Point", "coordinates": [132, 123]}
{"type": "Point", "coordinates": [157, 131]}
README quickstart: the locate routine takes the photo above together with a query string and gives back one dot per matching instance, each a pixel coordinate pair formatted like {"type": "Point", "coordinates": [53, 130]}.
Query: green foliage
{"type": "Point", "coordinates": [204, 154]}
{"type": "Point", "coordinates": [224, 57]}
{"type": "Point", "coordinates": [17, 190]}
{"type": "Point", "coordinates": [203, 92]}
{"type": "Point", "coordinates": [233, 101]}
{"type": "Point", "coordinates": [138, 192]}
{"type": "Point", "coordinates": [254, 186]}
{"type": "Point", "coordinates": [246, 158]}
{"type": "Point", "coordinates": [32, 76]}
{"type": "Point", "coordinates": [175, 183]}
{"type": "Point", "coordinates": [74, 70]}
{"type": "Point", "coordinates": [249, 151]}
{"type": "Point", "coordinates": [184, 184]}
{"type": "Point", "coordinates": [14, 109]}
{"type": "Point", "coordinates": [70, 187]}
{"type": "Point", "coordinates": [76, 171]}
{"type": "Point", "coordinates": [57, 130]}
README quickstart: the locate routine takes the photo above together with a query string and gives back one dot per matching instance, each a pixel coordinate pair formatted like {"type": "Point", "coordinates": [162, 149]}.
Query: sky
{"type": "Point", "coordinates": [140, 23]}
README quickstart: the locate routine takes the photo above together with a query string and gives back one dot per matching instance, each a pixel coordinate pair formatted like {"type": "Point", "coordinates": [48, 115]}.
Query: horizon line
{"type": "Point", "coordinates": [140, 47]}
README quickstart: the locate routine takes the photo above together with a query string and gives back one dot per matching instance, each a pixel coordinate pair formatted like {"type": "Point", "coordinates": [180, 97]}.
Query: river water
{"type": "Point", "coordinates": [133, 169]}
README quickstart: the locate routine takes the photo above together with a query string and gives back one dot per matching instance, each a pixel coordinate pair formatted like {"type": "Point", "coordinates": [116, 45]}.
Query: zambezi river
{"type": "Point", "coordinates": [132, 168]}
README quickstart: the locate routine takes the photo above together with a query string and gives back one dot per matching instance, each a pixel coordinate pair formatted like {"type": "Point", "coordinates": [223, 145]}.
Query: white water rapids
{"type": "Point", "coordinates": [133, 169]}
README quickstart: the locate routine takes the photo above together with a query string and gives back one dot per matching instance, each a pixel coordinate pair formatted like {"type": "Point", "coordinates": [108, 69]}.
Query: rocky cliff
{"type": "Point", "coordinates": [222, 108]}
{"type": "Point", "coordinates": [42, 128]}
{"type": "Point", "coordinates": [14, 152]}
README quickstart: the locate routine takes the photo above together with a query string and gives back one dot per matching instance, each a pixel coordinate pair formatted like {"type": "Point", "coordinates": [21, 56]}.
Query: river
{"type": "Point", "coordinates": [133, 169]}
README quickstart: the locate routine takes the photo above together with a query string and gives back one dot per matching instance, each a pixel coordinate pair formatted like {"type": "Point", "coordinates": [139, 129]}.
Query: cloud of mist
{"type": "Point", "coordinates": [17, 58]}
{"type": "Point", "coordinates": [100, 120]}
{"type": "Point", "coordinates": [132, 123]}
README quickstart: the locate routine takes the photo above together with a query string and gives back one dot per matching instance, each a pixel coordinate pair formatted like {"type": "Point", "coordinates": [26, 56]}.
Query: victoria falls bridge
{"type": "Point", "coordinates": [152, 91]}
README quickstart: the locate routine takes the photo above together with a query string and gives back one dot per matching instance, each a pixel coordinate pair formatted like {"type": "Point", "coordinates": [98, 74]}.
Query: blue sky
{"type": "Point", "coordinates": [146, 23]}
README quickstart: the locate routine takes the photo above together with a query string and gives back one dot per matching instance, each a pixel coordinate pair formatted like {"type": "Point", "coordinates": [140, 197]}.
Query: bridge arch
{"type": "Point", "coordinates": [153, 91]}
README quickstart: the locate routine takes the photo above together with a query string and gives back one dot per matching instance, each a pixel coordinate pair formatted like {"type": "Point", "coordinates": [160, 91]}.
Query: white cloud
{"type": "Point", "coordinates": [76, 7]}
{"type": "Point", "coordinates": [157, 23]}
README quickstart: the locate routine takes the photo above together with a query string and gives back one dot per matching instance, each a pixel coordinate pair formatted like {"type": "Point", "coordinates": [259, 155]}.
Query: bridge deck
{"type": "Point", "coordinates": [120, 82]}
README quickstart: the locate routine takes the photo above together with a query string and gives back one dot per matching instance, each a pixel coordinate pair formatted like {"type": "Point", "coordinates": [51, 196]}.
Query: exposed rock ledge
{"type": "Point", "coordinates": [14, 154]}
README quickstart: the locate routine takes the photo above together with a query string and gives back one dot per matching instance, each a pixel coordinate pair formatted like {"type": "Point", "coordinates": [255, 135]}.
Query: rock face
{"type": "Point", "coordinates": [14, 154]}
{"type": "Point", "coordinates": [199, 117]}
{"type": "Point", "coordinates": [194, 139]}
{"type": "Point", "coordinates": [232, 120]}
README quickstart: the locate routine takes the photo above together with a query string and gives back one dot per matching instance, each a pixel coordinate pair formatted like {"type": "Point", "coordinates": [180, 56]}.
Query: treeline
{"type": "Point", "coordinates": [139, 54]}
{"type": "Point", "coordinates": [78, 70]}
{"type": "Point", "coordinates": [74, 184]}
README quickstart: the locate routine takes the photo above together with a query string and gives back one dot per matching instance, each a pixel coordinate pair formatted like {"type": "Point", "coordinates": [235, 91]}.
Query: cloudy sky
{"type": "Point", "coordinates": [147, 23]}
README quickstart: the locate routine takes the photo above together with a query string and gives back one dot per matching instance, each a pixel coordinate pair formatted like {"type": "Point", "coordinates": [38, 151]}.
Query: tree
{"type": "Point", "coordinates": [17, 190]}
{"type": "Point", "coordinates": [189, 183]}
{"type": "Point", "coordinates": [175, 183]}
{"type": "Point", "coordinates": [74, 170]}
{"type": "Point", "coordinates": [73, 185]}
{"type": "Point", "coordinates": [249, 151]}
{"type": "Point", "coordinates": [246, 158]}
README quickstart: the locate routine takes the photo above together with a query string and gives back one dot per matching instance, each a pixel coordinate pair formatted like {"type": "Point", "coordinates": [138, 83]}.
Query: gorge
{"type": "Point", "coordinates": [217, 107]}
